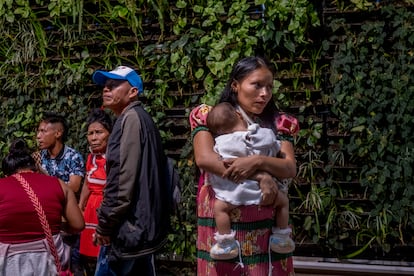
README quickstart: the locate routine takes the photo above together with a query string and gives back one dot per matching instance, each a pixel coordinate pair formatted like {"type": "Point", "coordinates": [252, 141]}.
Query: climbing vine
{"type": "Point", "coordinates": [372, 94]}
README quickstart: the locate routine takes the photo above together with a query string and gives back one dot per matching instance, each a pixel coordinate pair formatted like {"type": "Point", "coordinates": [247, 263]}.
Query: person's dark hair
{"type": "Point", "coordinates": [54, 118]}
{"type": "Point", "coordinates": [241, 70]}
{"type": "Point", "coordinates": [221, 118]}
{"type": "Point", "coordinates": [19, 157]}
{"type": "Point", "coordinates": [100, 116]}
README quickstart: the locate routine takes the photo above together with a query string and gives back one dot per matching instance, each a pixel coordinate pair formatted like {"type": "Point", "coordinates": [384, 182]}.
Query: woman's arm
{"type": "Point", "coordinates": [205, 156]}
{"type": "Point", "coordinates": [207, 159]}
{"type": "Point", "coordinates": [284, 167]}
{"type": "Point", "coordinates": [84, 196]}
{"type": "Point", "coordinates": [71, 211]}
{"type": "Point", "coordinates": [74, 182]}
{"type": "Point", "coordinates": [242, 168]}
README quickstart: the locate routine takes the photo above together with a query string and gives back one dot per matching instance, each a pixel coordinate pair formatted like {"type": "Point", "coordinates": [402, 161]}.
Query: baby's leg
{"type": "Point", "coordinates": [226, 246]}
{"type": "Point", "coordinates": [280, 241]}
{"type": "Point", "coordinates": [282, 210]}
{"type": "Point", "coordinates": [222, 216]}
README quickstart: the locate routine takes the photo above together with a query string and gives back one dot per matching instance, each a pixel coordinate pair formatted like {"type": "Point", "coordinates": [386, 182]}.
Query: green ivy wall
{"type": "Point", "coordinates": [344, 68]}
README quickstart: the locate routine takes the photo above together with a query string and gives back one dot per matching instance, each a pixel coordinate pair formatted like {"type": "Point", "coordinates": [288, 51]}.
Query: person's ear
{"type": "Point", "coordinates": [234, 86]}
{"type": "Point", "coordinates": [133, 92]}
{"type": "Point", "coordinates": [58, 133]}
{"type": "Point", "coordinates": [239, 114]}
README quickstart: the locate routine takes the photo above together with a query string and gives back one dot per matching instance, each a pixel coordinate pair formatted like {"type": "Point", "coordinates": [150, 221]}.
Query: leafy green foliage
{"type": "Point", "coordinates": [226, 31]}
{"type": "Point", "coordinates": [372, 92]}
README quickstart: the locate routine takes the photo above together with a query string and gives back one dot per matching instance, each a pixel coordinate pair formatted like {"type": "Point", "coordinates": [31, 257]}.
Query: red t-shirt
{"type": "Point", "coordinates": [19, 221]}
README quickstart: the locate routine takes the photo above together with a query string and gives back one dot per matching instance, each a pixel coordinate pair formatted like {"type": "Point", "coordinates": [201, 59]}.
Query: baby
{"type": "Point", "coordinates": [235, 138]}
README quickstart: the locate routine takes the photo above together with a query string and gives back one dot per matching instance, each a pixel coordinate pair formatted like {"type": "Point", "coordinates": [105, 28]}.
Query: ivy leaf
{"type": "Point", "coordinates": [119, 11]}
{"type": "Point", "coordinates": [199, 73]}
{"type": "Point", "coordinates": [290, 45]}
{"type": "Point", "coordinates": [23, 11]}
{"type": "Point", "coordinates": [181, 4]}
{"type": "Point", "coordinates": [174, 57]}
{"type": "Point", "coordinates": [358, 129]}
{"type": "Point", "coordinates": [198, 9]}
{"type": "Point", "coordinates": [10, 17]}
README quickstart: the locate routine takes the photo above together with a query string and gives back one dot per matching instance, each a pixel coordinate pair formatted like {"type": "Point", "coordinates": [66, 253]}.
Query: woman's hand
{"type": "Point", "coordinates": [84, 196]}
{"type": "Point", "coordinates": [240, 169]}
{"type": "Point", "coordinates": [81, 206]}
{"type": "Point", "coordinates": [243, 168]}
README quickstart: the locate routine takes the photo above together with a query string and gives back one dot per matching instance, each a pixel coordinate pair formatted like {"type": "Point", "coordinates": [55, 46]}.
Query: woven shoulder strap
{"type": "Point", "coordinates": [42, 217]}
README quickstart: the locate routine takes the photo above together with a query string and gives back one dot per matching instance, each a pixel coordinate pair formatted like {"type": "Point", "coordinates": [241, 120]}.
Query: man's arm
{"type": "Point", "coordinates": [124, 155]}
{"type": "Point", "coordinates": [77, 172]}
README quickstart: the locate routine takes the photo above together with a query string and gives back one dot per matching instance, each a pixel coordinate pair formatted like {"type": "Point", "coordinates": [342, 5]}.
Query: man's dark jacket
{"type": "Point", "coordinates": [134, 211]}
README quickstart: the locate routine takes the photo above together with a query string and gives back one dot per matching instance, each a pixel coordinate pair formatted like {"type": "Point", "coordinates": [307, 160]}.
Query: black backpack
{"type": "Point", "coordinates": [174, 186]}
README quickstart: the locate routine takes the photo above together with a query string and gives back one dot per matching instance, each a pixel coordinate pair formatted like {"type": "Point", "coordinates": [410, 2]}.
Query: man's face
{"type": "Point", "coordinates": [48, 134]}
{"type": "Point", "coordinates": [117, 94]}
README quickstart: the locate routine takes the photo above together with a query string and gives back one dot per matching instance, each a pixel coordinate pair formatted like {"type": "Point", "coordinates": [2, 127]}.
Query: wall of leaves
{"type": "Point", "coordinates": [344, 68]}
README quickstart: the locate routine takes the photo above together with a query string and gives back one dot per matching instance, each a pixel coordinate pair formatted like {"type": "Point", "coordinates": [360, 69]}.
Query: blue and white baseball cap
{"type": "Point", "coordinates": [119, 73]}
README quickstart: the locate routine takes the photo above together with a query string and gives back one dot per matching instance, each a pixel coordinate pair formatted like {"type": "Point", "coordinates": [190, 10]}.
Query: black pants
{"type": "Point", "coordinates": [143, 266]}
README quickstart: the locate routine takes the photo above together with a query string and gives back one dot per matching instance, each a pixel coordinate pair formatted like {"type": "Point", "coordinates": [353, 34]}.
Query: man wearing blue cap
{"type": "Point", "coordinates": [133, 217]}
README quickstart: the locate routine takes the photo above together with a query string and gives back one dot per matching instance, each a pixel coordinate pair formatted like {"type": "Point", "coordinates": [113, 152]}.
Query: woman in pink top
{"type": "Point", "coordinates": [23, 249]}
{"type": "Point", "coordinates": [249, 89]}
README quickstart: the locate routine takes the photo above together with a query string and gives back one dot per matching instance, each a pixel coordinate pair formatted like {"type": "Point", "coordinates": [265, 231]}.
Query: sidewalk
{"type": "Point", "coordinates": [305, 266]}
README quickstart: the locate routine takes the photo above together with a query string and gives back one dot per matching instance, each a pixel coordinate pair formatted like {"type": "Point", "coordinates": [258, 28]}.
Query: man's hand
{"type": "Point", "coordinates": [99, 239]}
